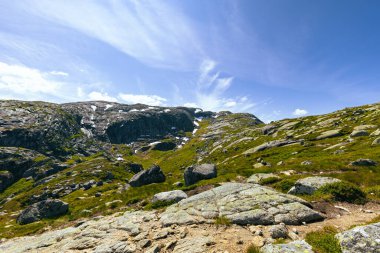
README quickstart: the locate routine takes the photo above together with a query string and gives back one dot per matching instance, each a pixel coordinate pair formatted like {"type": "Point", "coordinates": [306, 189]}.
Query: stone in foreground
{"type": "Point", "coordinates": [150, 176]}
{"type": "Point", "coordinates": [310, 184]}
{"type": "Point", "coordinates": [242, 204]}
{"type": "Point", "coordinates": [196, 173]}
{"type": "Point", "coordinates": [292, 247]}
{"type": "Point", "coordinates": [44, 209]}
{"type": "Point", "coordinates": [360, 239]}
{"type": "Point", "coordinates": [170, 196]}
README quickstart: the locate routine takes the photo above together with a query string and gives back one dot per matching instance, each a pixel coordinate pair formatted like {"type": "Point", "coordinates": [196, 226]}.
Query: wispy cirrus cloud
{"type": "Point", "coordinates": [152, 32]}
{"type": "Point", "coordinates": [153, 100]}
{"type": "Point", "coordinates": [211, 87]}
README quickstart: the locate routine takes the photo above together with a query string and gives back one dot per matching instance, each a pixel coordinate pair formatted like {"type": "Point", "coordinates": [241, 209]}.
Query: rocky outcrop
{"type": "Point", "coordinates": [329, 134]}
{"type": "Point", "coordinates": [150, 176]}
{"type": "Point", "coordinates": [241, 204]}
{"type": "Point", "coordinates": [360, 239]}
{"type": "Point", "coordinates": [310, 184]}
{"type": "Point", "coordinates": [170, 196]}
{"type": "Point", "coordinates": [134, 167]}
{"type": "Point", "coordinates": [270, 144]}
{"type": "Point", "coordinates": [45, 209]}
{"type": "Point", "coordinates": [359, 133]}
{"type": "Point", "coordinates": [195, 173]}
{"type": "Point", "coordinates": [292, 247]}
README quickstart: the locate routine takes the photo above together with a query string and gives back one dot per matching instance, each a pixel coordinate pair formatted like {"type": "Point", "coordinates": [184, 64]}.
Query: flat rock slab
{"type": "Point", "coordinates": [292, 247]}
{"type": "Point", "coordinates": [241, 204]}
{"type": "Point", "coordinates": [193, 245]}
{"type": "Point", "coordinates": [361, 239]}
{"type": "Point", "coordinates": [169, 196]}
{"type": "Point", "coordinates": [310, 184]}
{"type": "Point", "coordinates": [329, 134]}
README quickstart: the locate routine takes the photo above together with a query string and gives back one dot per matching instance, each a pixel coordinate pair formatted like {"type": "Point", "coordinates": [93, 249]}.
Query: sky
{"type": "Point", "coordinates": [273, 58]}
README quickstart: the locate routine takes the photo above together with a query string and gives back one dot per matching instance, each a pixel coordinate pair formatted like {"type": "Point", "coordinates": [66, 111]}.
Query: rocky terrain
{"type": "Point", "coordinates": [107, 177]}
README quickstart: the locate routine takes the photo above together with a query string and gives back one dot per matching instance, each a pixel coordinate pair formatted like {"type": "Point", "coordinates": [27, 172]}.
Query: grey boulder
{"type": "Point", "coordinates": [170, 196]}
{"type": "Point", "coordinates": [360, 239]}
{"type": "Point", "coordinates": [258, 177]}
{"type": "Point", "coordinates": [310, 184]}
{"type": "Point", "coordinates": [150, 176]}
{"type": "Point", "coordinates": [292, 247]}
{"type": "Point", "coordinates": [329, 134]}
{"type": "Point", "coordinates": [358, 133]}
{"type": "Point", "coordinates": [193, 174]}
{"type": "Point", "coordinates": [44, 209]}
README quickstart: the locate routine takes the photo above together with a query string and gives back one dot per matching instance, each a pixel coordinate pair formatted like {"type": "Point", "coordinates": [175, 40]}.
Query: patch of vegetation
{"type": "Point", "coordinates": [284, 185]}
{"type": "Point", "coordinates": [222, 221]}
{"type": "Point", "coordinates": [159, 204]}
{"type": "Point", "coordinates": [324, 241]}
{"type": "Point", "coordinates": [343, 191]}
{"type": "Point", "coordinates": [269, 180]}
{"type": "Point", "coordinates": [252, 249]}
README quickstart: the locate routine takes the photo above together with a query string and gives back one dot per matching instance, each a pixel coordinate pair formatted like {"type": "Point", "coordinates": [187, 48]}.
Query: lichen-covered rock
{"type": "Point", "coordinates": [292, 247]}
{"type": "Point", "coordinates": [376, 142]}
{"type": "Point", "coordinates": [170, 196]}
{"type": "Point", "coordinates": [256, 178]}
{"type": "Point", "coordinates": [241, 204]}
{"type": "Point", "coordinates": [310, 184]}
{"type": "Point", "coordinates": [363, 162]}
{"type": "Point", "coordinates": [360, 239]}
{"type": "Point", "coordinates": [278, 231]}
{"type": "Point", "coordinates": [44, 209]}
{"type": "Point", "coordinates": [329, 134]}
{"type": "Point", "coordinates": [195, 173]}
{"type": "Point", "coordinates": [150, 176]}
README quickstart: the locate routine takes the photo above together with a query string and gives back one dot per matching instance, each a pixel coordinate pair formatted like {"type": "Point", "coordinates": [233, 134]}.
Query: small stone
{"type": "Point", "coordinates": [98, 194]}
{"type": "Point", "coordinates": [144, 243]}
{"type": "Point", "coordinates": [278, 231]}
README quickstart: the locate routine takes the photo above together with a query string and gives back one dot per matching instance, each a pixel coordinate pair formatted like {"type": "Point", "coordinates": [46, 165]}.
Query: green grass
{"type": "Point", "coordinates": [252, 249]}
{"type": "Point", "coordinates": [343, 191]}
{"type": "Point", "coordinates": [222, 221]}
{"type": "Point", "coordinates": [324, 241]}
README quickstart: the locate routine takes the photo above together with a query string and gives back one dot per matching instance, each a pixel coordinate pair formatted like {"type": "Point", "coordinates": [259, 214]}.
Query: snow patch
{"type": "Point", "coordinates": [167, 110]}
{"type": "Point", "coordinates": [86, 132]}
{"type": "Point", "coordinates": [108, 106]}
{"type": "Point", "coordinates": [93, 107]}
{"type": "Point", "coordinates": [198, 110]}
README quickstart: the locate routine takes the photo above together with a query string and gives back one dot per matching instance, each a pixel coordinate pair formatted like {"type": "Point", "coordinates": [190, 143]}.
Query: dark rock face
{"type": "Point", "coordinates": [45, 209]}
{"type": "Point", "coordinates": [150, 176]}
{"type": "Point", "coordinates": [6, 180]}
{"type": "Point", "coordinates": [164, 146]}
{"type": "Point", "coordinates": [193, 174]}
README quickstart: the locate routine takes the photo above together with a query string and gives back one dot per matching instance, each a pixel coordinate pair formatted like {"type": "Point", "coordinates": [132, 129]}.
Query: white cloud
{"type": "Point", "coordinates": [153, 32]}
{"type": "Point", "coordinates": [18, 81]}
{"type": "Point", "coordinates": [58, 73]}
{"type": "Point", "coordinates": [299, 112]}
{"type": "Point", "coordinates": [102, 96]}
{"type": "Point", "coordinates": [142, 99]}
{"type": "Point", "coordinates": [211, 88]}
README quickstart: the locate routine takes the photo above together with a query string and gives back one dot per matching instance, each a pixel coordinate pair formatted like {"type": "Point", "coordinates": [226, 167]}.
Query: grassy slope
{"type": "Point", "coordinates": [232, 164]}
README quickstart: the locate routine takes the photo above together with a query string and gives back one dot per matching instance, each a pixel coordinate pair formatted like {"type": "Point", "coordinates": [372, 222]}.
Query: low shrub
{"type": "Point", "coordinates": [284, 185]}
{"type": "Point", "coordinates": [223, 221]}
{"type": "Point", "coordinates": [324, 241]}
{"type": "Point", "coordinates": [344, 191]}
{"type": "Point", "coordinates": [269, 180]}
{"type": "Point", "coordinates": [252, 249]}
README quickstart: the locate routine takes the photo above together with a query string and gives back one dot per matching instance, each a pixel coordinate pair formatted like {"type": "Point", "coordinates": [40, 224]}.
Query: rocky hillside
{"type": "Point", "coordinates": [107, 177]}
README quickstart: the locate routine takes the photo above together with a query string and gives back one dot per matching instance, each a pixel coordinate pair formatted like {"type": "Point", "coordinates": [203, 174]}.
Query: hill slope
{"type": "Point", "coordinates": [74, 152]}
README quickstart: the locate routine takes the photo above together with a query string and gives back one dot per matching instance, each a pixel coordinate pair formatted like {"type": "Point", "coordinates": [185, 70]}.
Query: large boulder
{"type": "Point", "coordinates": [6, 180]}
{"type": "Point", "coordinates": [193, 174]}
{"type": "Point", "coordinates": [44, 209]}
{"type": "Point", "coordinates": [150, 176]}
{"type": "Point", "coordinates": [310, 184]}
{"type": "Point", "coordinates": [359, 133]}
{"type": "Point", "coordinates": [292, 247]}
{"type": "Point", "coordinates": [241, 204]}
{"type": "Point", "coordinates": [170, 196]}
{"type": "Point", "coordinates": [360, 239]}
{"type": "Point", "coordinates": [363, 162]}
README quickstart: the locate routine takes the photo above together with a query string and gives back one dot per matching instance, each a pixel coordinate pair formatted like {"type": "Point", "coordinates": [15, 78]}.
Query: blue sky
{"type": "Point", "coordinates": [273, 58]}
